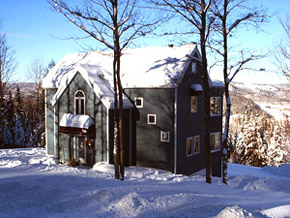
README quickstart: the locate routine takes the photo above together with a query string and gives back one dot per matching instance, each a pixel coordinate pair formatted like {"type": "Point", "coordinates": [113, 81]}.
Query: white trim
{"type": "Point", "coordinates": [214, 133]}
{"type": "Point", "coordinates": [175, 130]}
{"type": "Point", "coordinates": [138, 98]}
{"type": "Point", "coordinates": [191, 111]}
{"type": "Point", "coordinates": [155, 119]}
{"type": "Point", "coordinates": [168, 136]}
{"type": "Point", "coordinates": [192, 152]}
{"type": "Point", "coordinates": [197, 136]}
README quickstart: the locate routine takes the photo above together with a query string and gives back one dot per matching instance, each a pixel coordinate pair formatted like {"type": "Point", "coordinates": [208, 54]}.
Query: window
{"type": "Point", "coordinates": [189, 143]}
{"type": "Point", "coordinates": [193, 67]}
{"type": "Point", "coordinates": [139, 102]}
{"type": "Point", "coordinates": [151, 119]}
{"type": "Point", "coordinates": [196, 144]}
{"type": "Point", "coordinates": [164, 136]}
{"type": "Point", "coordinates": [215, 105]}
{"type": "Point", "coordinates": [215, 141]}
{"type": "Point", "coordinates": [79, 100]}
{"type": "Point", "coordinates": [193, 108]}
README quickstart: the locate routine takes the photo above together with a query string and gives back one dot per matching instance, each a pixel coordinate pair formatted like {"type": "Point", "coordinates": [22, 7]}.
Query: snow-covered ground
{"type": "Point", "coordinates": [33, 185]}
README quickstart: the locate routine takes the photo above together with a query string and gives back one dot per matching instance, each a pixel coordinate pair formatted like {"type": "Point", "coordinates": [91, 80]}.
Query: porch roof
{"type": "Point", "coordinates": [76, 121]}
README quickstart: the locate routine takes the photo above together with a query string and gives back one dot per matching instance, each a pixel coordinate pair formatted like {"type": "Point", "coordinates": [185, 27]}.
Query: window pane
{"type": "Point", "coordinates": [189, 146]}
{"type": "Point", "coordinates": [193, 104]}
{"type": "Point", "coordinates": [151, 119]}
{"type": "Point", "coordinates": [212, 141]}
{"type": "Point", "coordinates": [196, 144]}
{"type": "Point", "coordinates": [77, 106]}
{"type": "Point", "coordinates": [215, 105]}
{"type": "Point", "coordinates": [165, 136]}
{"type": "Point", "coordinates": [139, 102]}
{"type": "Point", "coordinates": [217, 141]}
{"type": "Point", "coordinates": [82, 111]}
{"type": "Point", "coordinates": [218, 105]}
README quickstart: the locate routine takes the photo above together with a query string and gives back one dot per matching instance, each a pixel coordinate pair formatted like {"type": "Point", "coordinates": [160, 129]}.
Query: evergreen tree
{"type": "Point", "coordinates": [19, 136]}
{"type": "Point", "coordinates": [9, 122]}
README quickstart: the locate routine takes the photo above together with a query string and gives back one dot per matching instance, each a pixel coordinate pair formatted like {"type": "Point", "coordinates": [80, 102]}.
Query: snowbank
{"type": "Point", "coordinates": [33, 185]}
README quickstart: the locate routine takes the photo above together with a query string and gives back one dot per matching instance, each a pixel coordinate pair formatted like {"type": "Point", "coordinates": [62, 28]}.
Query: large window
{"type": "Point", "coordinates": [79, 100]}
{"type": "Point", "coordinates": [215, 105]}
{"type": "Point", "coordinates": [193, 104]}
{"type": "Point", "coordinates": [215, 141]}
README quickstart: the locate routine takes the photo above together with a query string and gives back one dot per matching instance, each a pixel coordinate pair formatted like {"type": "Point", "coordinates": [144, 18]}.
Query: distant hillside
{"type": "Point", "coordinates": [26, 88]}
{"type": "Point", "coordinates": [274, 99]}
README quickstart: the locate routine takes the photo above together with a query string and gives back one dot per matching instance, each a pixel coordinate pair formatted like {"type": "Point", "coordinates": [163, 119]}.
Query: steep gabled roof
{"type": "Point", "coordinates": [152, 67]}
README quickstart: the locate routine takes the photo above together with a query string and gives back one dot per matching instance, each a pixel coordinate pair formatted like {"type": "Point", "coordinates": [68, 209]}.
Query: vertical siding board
{"type": "Point", "coordinates": [49, 121]}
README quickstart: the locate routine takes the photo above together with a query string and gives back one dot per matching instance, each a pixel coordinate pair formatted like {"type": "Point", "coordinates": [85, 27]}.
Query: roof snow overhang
{"type": "Point", "coordinates": [196, 89]}
{"type": "Point", "coordinates": [94, 78]}
{"type": "Point", "coordinates": [77, 124]}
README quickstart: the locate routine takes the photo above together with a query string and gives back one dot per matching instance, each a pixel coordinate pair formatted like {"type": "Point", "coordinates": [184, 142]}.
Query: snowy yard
{"type": "Point", "coordinates": [32, 185]}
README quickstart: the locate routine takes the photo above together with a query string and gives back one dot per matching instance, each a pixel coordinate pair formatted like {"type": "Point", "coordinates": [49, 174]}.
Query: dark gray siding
{"type": "Point", "coordinates": [150, 151]}
{"type": "Point", "coordinates": [189, 124]}
{"type": "Point", "coordinates": [94, 108]}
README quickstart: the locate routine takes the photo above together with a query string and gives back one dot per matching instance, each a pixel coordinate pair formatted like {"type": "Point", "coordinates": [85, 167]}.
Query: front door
{"type": "Point", "coordinates": [80, 150]}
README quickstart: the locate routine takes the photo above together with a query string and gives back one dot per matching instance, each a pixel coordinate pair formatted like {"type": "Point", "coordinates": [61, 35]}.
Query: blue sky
{"type": "Point", "coordinates": [34, 30]}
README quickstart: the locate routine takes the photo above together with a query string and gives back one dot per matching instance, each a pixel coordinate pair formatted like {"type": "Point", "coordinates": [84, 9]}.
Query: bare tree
{"type": "Point", "coordinates": [230, 16]}
{"type": "Point", "coordinates": [283, 55]}
{"type": "Point", "coordinates": [114, 24]}
{"type": "Point", "coordinates": [35, 73]}
{"type": "Point", "coordinates": [7, 67]}
{"type": "Point", "coordinates": [196, 12]}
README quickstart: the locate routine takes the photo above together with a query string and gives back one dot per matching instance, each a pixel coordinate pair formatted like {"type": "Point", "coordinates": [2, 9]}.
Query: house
{"type": "Point", "coordinates": [163, 109]}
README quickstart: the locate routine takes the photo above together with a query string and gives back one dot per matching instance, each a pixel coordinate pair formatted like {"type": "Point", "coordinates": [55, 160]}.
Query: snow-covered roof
{"type": "Point", "coordinates": [152, 67]}
{"type": "Point", "coordinates": [76, 121]}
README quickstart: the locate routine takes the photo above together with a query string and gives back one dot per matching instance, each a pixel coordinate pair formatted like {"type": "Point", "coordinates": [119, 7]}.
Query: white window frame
{"type": "Point", "coordinates": [148, 119]}
{"type": "Point", "coordinates": [192, 152]}
{"type": "Point", "coordinates": [79, 102]}
{"type": "Point", "coordinates": [168, 136]}
{"type": "Point", "coordinates": [220, 103]}
{"type": "Point", "coordinates": [138, 98]}
{"type": "Point", "coordinates": [193, 111]}
{"type": "Point", "coordinates": [197, 136]}
{"type": "Point", "coordinates": [219, 135]}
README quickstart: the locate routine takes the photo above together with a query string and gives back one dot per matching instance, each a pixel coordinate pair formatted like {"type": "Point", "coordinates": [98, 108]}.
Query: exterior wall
{"type": "Point", "coordinates": [150, 151]}
{"type": "Point", "coordinates": [128, 138]}
{"type": "Point", "coordinates": [49, 121]}
{"type": "Point", "coordinates": [95, 109]}
{"type": "Point", "coordinates": [189, 124]}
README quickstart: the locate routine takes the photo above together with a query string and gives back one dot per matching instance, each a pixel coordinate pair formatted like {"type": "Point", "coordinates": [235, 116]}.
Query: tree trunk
{"type": "Point", "coordinates": [227, 95]}
{"type": "Point", "coordinates": [206, 95]}
{"type": "Point", "coordinates": [116, 125]}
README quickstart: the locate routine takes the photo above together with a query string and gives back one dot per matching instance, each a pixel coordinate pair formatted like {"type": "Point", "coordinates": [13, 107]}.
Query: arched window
{"type": "Point", "coordinates": [79, 100]}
